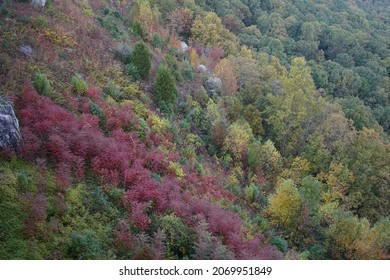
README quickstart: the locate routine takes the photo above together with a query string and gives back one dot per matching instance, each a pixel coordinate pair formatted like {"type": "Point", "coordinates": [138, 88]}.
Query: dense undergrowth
{"type": "Point", "coordinates": [259, 141]}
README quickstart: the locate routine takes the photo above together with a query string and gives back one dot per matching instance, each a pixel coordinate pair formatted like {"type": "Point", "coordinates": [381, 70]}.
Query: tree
{"type": "Point", "coordinates": [345, 234]}
{"type": "Point", "coordinates": [253, 117]}
{"type": "Point", "coordinates": [233, 23]}
{"type": "Point", "coordinates": [165, 85]}
{"type": "Point", "coordinates": [294, 112]}
{"type": "Point", "coordinates": [224, 71]}
{"type": "Point", "coordinates": [311, 193]}
{"type": "Point", "coordinates": [238, 138]}
{"type": "Point", "coordinates": [250, 36]}
{"type": "Point", "coordinates": [369, 161]}
{"type": "Point", "coordinates": [146, 17]}
{"type": "Point", "coordinates": [266, 157]}
{"type": "Point", "coordinates": [141, 59]}
{"type": "Point", "coordinates": [209, 31]}
{"type": "Point", "coordinates": [181, 20]}
{"type": "Point", "coordinates": [285, 205]}
{"type": "Point", "coordinates": [354, 109]}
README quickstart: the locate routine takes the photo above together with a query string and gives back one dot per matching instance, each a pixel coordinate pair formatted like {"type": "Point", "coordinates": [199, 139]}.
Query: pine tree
{"type": "Point", "coordinates": [165, 86]}
{"type": "Point", "coordinates": [141, 59]}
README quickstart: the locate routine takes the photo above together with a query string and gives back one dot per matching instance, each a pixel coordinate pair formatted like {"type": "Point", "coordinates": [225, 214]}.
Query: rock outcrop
{"type": "Point", "coordinates": [9, 126]}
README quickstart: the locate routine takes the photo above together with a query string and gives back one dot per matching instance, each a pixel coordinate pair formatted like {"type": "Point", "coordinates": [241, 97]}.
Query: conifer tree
{"type": "Point", "coordinates": [141, 59]}
{"type": "Point", "coordinates": [165, 86]}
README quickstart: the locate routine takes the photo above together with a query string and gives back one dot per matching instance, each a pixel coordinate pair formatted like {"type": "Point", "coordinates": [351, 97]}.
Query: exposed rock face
{"type": "Point", "coordinates": [213, 85]}
{"type": "Point", "coordinates": [202, 68]}
{"type": "Point", "coordinates": [41, 3]}
{"type": "Point", "coordinates": [9, 126]}
{"type": "Point", "coordinates": [183, 46]}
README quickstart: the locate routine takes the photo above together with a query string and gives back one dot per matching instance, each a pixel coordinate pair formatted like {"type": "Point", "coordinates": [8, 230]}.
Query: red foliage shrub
{"type": "Point", "coordinates": [73, 145]}
{"type": "Point", "coordinates": [138, 216]}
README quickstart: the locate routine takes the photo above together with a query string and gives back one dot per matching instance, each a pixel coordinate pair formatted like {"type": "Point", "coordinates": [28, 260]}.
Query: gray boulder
{"type": "Point", "coordinates": [41, 3]}
{"type": "Point", "coordinates": [202, 68]}
{"type": "Point", "coordinates": [183, 46]}
{"type": "Point", "coordinates": [9, 126]}
{"type": "Point", "coordinates": [213, 85]}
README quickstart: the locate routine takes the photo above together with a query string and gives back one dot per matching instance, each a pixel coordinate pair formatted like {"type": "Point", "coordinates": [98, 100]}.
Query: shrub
{"type": "Point", "coordinates": [280, 243]}
{"type": "Point", "coordinates": [157, 42]}
{"type": "Point", "coordinates": [141, 59]}
{"type": "Point", "coordinates": [95, 110]}
{"type": "Point", "coordinates": [40, 22]}
{"type": "Point", "coordinates": [179, 242]}
{"type": "Point", "coordinates": [132, 71]}
{"type": "Point", "coordinates": [78, 84]}
{"type": "Point", "coordinates": [138, 30]}
{"type": "Point", "coordinates": [42, 84]}
{"type": "Point", "coordinates": [173, 65]}
{"type": "Point", "coordinates": [113, 91]}
{"type": "Point", "coordinates": [187, 71]}
{"type": "Point", "coordinates": [252, 193]}
{"type": "Point", "coordinates": [110, 21]}
{"type": "Point", "coordinates": [123, 52]}
{"type": "Point", "coordinates": [83, 246]}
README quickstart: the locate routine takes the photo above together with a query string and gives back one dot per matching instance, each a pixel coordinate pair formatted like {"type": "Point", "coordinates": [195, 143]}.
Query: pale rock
{"type": "Point", "coordinates": [183, 46]}
{"type": "Point", "coordinates": [9, 126]}
{"type": "Point", "coordinates": [202, 68]}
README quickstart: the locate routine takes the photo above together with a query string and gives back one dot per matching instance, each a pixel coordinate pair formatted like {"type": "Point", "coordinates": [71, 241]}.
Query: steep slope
{"type": "Point", "coordinates": [135, 146]}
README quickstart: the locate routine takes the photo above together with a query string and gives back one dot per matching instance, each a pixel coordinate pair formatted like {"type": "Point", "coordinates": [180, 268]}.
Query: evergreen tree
{"type": "Point", "coordinates": [165, 86]}
{"type": "Point", "coordinates": [141, 59]}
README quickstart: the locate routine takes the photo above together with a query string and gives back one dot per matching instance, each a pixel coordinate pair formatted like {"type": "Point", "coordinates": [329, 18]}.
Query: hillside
{"type": "Point", "coordinates": [196, 129]}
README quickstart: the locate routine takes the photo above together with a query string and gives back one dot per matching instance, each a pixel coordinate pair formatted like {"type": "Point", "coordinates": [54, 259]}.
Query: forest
{"type": "Point", "coordinates": [195, 129]}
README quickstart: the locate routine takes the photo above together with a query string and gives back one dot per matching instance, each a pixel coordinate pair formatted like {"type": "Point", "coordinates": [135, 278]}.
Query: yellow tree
{"type": "Point", "coordinates": [294, 109]}
{"type": "Point", "coordinates": [224, 71]}
{"type": "Point", "coordinates": [209, 31]}
{"type": "Point", "coordinates": [238, 138]}
{"type": "Point", "coordinates": [338, 180]}
{"type": "Point", "coordinates": [285, 205]}
{"type": "Point", "coordinates": [146, 16]}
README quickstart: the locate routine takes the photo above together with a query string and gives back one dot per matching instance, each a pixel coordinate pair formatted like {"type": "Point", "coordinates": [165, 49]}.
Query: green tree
{"type": "Point", "coordinates": [369, 161]}
{"type": "Point", "coordinates": [311, 192]}
{"type": "Point", "coordinates": [165, 86]}
{"type": "Point", "coordinates": [266, 157]}
{"type": "Point", "coordinates": [354, 109]}
{"type": "Point", "coordinates": [141, 59]}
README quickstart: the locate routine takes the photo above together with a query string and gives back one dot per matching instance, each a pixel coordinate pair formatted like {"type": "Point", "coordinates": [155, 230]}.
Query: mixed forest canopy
{"type": "Point", "coordinates": [195, 129]}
